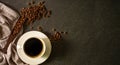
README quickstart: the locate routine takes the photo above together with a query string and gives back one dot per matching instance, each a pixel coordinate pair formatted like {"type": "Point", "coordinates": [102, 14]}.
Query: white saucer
{"type": "Point", "coordinates": [39, 59]}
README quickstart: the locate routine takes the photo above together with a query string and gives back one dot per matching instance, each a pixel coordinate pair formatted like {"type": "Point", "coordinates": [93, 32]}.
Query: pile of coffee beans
{"type": "Point", "coordinates": [27, 15]}
{"type": "Point", "coordinates": [35, 12]}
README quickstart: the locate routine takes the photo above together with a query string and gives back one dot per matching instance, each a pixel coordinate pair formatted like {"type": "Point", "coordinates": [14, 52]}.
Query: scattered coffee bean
{"type": "Point", "coordinates": [29, 3]}
{"type": "Point", "coordinates": [65, 32]}
{"type": "Point", "coordinates": [57, 36]}
{"type": "Point", "coordinates": [62, 32]}
{"type": "Point", "coordinates": [33, 2]}
{"type": "Point", "coordinates": [39, 28]}
{"type": "Point", "coordinates": [31, 27]}
{"type": "Point", "coordinates": [53, 29]}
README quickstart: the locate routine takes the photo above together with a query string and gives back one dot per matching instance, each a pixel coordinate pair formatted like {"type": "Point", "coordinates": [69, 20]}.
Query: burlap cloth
{"type": "Point", "coordinates": [8, 18]}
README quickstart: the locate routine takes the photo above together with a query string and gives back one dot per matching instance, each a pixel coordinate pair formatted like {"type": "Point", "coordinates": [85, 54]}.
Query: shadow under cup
{"type": "Point", "coordinates": [33, 47]}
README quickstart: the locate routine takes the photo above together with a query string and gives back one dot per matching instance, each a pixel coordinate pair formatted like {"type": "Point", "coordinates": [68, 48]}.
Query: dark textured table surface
{"type": "Point", "coordinates": [93, 31]}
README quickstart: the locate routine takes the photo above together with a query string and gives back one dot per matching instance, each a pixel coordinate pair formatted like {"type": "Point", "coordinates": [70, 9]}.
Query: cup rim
{"type": "Point", "coordinates": [43, 49]}
{"type": "Point", "coordinates": [46, 49]}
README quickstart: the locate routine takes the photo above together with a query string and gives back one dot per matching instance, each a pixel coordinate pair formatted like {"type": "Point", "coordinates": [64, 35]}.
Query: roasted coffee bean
{"type": "Point", "coordinates": [29, 15]}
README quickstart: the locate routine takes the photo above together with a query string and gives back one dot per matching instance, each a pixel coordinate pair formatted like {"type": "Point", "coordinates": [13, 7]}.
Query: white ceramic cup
{"type": "Point", "coordinates": [44, 53]}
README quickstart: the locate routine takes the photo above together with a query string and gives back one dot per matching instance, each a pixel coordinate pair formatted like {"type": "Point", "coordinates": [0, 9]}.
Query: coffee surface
{"type": "Point", "coordinates": [33, 47]}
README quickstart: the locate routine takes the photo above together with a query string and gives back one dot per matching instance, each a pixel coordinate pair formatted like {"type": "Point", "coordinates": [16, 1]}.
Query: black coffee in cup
{"type": "Point", "coordinates": [33, 47]}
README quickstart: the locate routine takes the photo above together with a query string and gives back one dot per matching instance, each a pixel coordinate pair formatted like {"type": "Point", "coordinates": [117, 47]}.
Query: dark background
{"type": "Point", "coordinates": [93, 31]}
